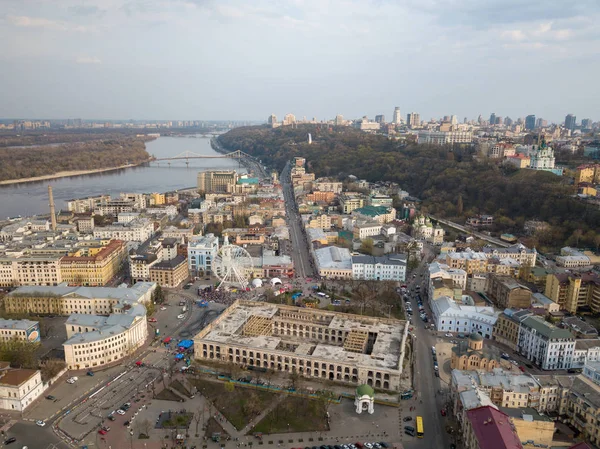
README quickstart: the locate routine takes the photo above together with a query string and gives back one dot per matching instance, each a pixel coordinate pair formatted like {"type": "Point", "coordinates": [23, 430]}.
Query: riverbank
{"type": "Point", "coordinates": [251, 165]}
{"type": "Point", "coordinates": [66, 174]}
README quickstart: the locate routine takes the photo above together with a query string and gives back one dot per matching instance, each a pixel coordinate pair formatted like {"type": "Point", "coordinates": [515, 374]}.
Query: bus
{"type": "Point", "coordinates": [420, 432]}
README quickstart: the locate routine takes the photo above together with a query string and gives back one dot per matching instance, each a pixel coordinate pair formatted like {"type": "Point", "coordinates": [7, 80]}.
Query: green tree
{"type": "Point", "coordinates": [366, 246]}
{"type": "Point", "coordinates": [459, 205]}
{"type": "Point", "coordinates": [158, 296]}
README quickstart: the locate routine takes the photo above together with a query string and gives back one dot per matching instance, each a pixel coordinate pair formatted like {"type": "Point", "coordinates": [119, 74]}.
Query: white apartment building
{"type": "Point", "coordinates": [84, 205]}
{"type": "Point", "coordinates": [127, 217]}
{"type": "Point", "coordinates": [586, 351]}
{"type": "Point", "coordinates": [138, 230]}
{"type": "Point", "coordinates": [391, 267]}
{"type": "Point", "coordinates": [445, 137]}
{"type": "Point", "coordinates": [545, 345]}
{"type": "Point", "coordinates": [202, 250]}
{"type": "Point", "coordinates": [439, 270]}
{"type": "Point", "coordinates": [325, 185]}
{"type": "Point", "coordinates": [19, 387]}
{"type": "Point", "coordinates": [170, 211]}
{"type": "Point", "coordinates": [362, 231]}
{"type": "Point", "coordinates": [30, 270]}
{"type": "Point", "coordinates": [448, 316]}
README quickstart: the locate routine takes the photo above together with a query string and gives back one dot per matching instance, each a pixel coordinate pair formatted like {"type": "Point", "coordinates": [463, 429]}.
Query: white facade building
{"type": "Point", "coordinates": [19, 388]}
{"type": "Point", "coordinates": [138, 230]}
{"type": "Point", "coordinates": [546, 345]}
{"type": "Point", "coordinates": [439, 270]}
{"type": "Point", "coordinates": [451, 317]}
{"type": "Point", "coordinates": [445, 137]}
{"type": "Point", "coordinates": [201, 253]}
{"type": "Point", "coordinates": [586, 351]}
{"type": "Point", "coordinates": [362, 231]}
{"type": "Point", "coordinates": [391, 267]}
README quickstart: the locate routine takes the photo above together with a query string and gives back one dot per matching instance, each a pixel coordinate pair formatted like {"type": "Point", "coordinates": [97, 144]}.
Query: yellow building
{"type": "Point", "coordinates": [571, 291]}
{"type": "Point", "coordinates": [170, 273]}
{"type": "Point", "coordinates": [471, 355]}
{"type": "Point", "coordinates": [587, 190]}
{"type": "Point", "coordinates": [157, 199]}
{"type": "Point", "coordinates": [587, 173]}
{"type": "Point", "coordinates": [506, 329]}
{"type": "Point", "coordinates": [93, 265]}
{"type": "Point", "coordinates": [350, 201]}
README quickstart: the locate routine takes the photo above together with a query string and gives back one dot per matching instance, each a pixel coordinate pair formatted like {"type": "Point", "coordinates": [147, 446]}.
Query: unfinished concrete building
{"type": "Point", "coordinates": [314, 343]}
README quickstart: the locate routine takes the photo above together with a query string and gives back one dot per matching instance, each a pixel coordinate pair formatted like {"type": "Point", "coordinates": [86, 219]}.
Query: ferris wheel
{"type": "Point", "coordinates": [233, 266]}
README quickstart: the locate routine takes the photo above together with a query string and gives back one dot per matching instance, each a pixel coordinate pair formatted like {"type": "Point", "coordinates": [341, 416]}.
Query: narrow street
{"type": "Point", "coordinates": [427, 400]}
{"type": "Point", "coordinates": [300, 249]}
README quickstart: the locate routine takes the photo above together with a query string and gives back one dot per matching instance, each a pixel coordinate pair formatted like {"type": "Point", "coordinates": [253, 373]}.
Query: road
{"type": "Point", "coordinates": [466, 230]}
{"type": "Point", "coordinates": [303, 265]}
{"type": "Point", "coordinates": [428, 401]}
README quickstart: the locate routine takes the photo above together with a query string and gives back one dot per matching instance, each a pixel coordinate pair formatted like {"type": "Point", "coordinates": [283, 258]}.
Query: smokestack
{"type": "Point", "coordinates": [52, 209]}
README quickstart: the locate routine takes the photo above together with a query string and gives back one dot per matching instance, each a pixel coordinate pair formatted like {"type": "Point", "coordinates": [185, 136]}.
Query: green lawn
{"type": "Point", "coordinates": [294, 414]}
{"type": "Point", "coordinates": [239, 406]}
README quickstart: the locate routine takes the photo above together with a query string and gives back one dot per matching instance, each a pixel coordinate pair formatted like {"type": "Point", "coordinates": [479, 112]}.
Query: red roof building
{"type": "Point", "coordinates": [489, 428]}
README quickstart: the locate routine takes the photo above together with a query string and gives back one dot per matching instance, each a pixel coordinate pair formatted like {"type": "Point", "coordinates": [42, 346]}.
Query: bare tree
{"type": "Point", "coordinates": [198, 418]}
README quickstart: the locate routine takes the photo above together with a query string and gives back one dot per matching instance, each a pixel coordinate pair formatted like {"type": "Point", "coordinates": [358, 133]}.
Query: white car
{"type": "Point", "coordinates": [180, 317]}
{"type": "Point", "coordinates": [120, 412]}
{"type": "Point", "coordinates": [163, 308]}
{"type": "Point", "coordinates": [449, 335]}
{"type": "Point", "coordinates": [40, 423]}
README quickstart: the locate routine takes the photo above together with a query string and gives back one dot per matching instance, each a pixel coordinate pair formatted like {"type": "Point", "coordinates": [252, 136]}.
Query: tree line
{"type": "Point", "coordinates": [450, 182]}
{"type": "Point", "coordinates": [18, 163]}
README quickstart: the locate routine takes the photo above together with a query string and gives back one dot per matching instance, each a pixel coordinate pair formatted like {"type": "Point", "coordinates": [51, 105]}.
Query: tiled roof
{"type": "Point", "coordinates": [493, 429]}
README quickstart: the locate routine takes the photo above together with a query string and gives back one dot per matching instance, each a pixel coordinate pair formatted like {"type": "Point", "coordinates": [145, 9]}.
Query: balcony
{"type": "Point", "coordinates": [580, 420]}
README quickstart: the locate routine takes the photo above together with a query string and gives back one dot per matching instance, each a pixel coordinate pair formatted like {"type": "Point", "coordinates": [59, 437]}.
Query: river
{"type": "Point", "coordinates": [32, 197]}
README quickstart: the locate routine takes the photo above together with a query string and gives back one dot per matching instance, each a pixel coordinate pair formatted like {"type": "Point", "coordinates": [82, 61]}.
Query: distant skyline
{"type": "Point", "coordinates": [237, 60]}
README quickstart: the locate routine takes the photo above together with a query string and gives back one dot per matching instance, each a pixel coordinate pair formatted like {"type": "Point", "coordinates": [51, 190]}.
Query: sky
{"type": "Point", "coordinates": [247, 59]}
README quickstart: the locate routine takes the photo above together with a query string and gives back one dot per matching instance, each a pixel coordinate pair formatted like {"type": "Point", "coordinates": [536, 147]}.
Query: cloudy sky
{"type": "Point", "coordinates": [246, 59]}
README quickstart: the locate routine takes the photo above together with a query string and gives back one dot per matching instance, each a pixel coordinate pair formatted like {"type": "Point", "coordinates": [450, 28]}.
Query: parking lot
{"type": "Point", "coordinates": [134, 386]}
{"type": "Point", "coordinates": [33, 437]}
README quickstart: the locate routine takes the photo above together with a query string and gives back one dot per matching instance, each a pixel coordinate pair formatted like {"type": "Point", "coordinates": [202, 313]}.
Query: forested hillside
{"type": "Point", "coordinates": [18, 163]}
{"type": "Point", "coordinates": [436, 175]}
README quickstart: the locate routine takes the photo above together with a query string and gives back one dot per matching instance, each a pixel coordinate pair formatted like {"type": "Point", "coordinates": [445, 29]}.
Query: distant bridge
{"type": "Point", "coordinates": [187, 155]}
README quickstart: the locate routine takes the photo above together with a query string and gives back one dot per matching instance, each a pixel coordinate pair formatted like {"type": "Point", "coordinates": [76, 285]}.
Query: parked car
{"type": "Point", "coordinates": [449, 335]}
{"type": "Point", "coordinates": [90, 373]}
{"type": "Point", "coordinates": [106, 429]}
{"type": "Point", "coordinates": [120, 412]}
{"type": "Point", "coordinates": [443, 412]}
{"type": "Point", "coordinates": [409, 430]}
{"type": "Point", "coordinates": [407, 418]}
{"type": "Point", "coordinates": [40, 423]}
{"type": "Point", "coordinates": [505, 356]}
{"type": "Point", "coordinates": [152, 320]}
{"type": "Point", "coordinates": [10, 440]}
{"type": "Point", "coordinates": [126, 423]}
{"type": "Point", "coordinates": [461, 335]}
{"type": "Point", "coordinates": [180, 317]}
{"type": "Point", "coordinates": [50, 397]}
{"type": "Point", "coordinates": [102, 432]}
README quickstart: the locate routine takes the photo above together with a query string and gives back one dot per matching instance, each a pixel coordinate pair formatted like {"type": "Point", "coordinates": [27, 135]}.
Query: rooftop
{"type": "Point", "coordinates": [17, 324]}
{"type": "Point", "coordinates": [236, 326]}
{"type": "Point", "coordinates": [16, 377]}
{"type": "Point", "coordinates": [334, 257]}
{"type": "Point", "coordinates": [388, 259]}
{"type": "Point", "coordinates": [546, 329]}
{"type": "Point", "coordinates": [493, 429]}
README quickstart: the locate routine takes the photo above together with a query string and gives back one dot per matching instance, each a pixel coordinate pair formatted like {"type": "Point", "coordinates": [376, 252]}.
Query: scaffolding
{"type": "Point", "coordinates": [258, 325]}
{"type": "Point", "coordinates": [356, 341]}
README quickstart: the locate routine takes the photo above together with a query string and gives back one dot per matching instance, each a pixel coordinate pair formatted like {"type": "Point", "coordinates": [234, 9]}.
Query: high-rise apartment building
{"type": "Point", "coordinates": [570, 122]}
{"type": "Point", "coordinates": [586, 123]}
{"type": "Point", "coordinates": [380, 118]}
{"type": "Point", "coordinates": [272, 119]}
{"type": "Point", "coordinates": [339, 120]}
{"type": "Point", "coordinates": [493, 118]}
{"type": "Point", "coordinates": [530, 122]}
{"type": "Point", "coordinates": [413, 119]}
{"type": "Point", "coordinates": [217, 181]}
{"type": "Point", "coordinates": [397, 117]}
{"type": "Point", "coordinates": [541, 123]}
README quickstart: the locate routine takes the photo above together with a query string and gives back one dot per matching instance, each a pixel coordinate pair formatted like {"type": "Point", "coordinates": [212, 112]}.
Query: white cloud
{"type": "Point", "coordinates": [37, 22]}
{"type": "Point", "coordinates": [88, 60]}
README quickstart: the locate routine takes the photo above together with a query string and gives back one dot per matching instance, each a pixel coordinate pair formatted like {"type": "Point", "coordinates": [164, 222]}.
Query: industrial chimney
{"type": "Point", "coordinates": [52, 209]}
